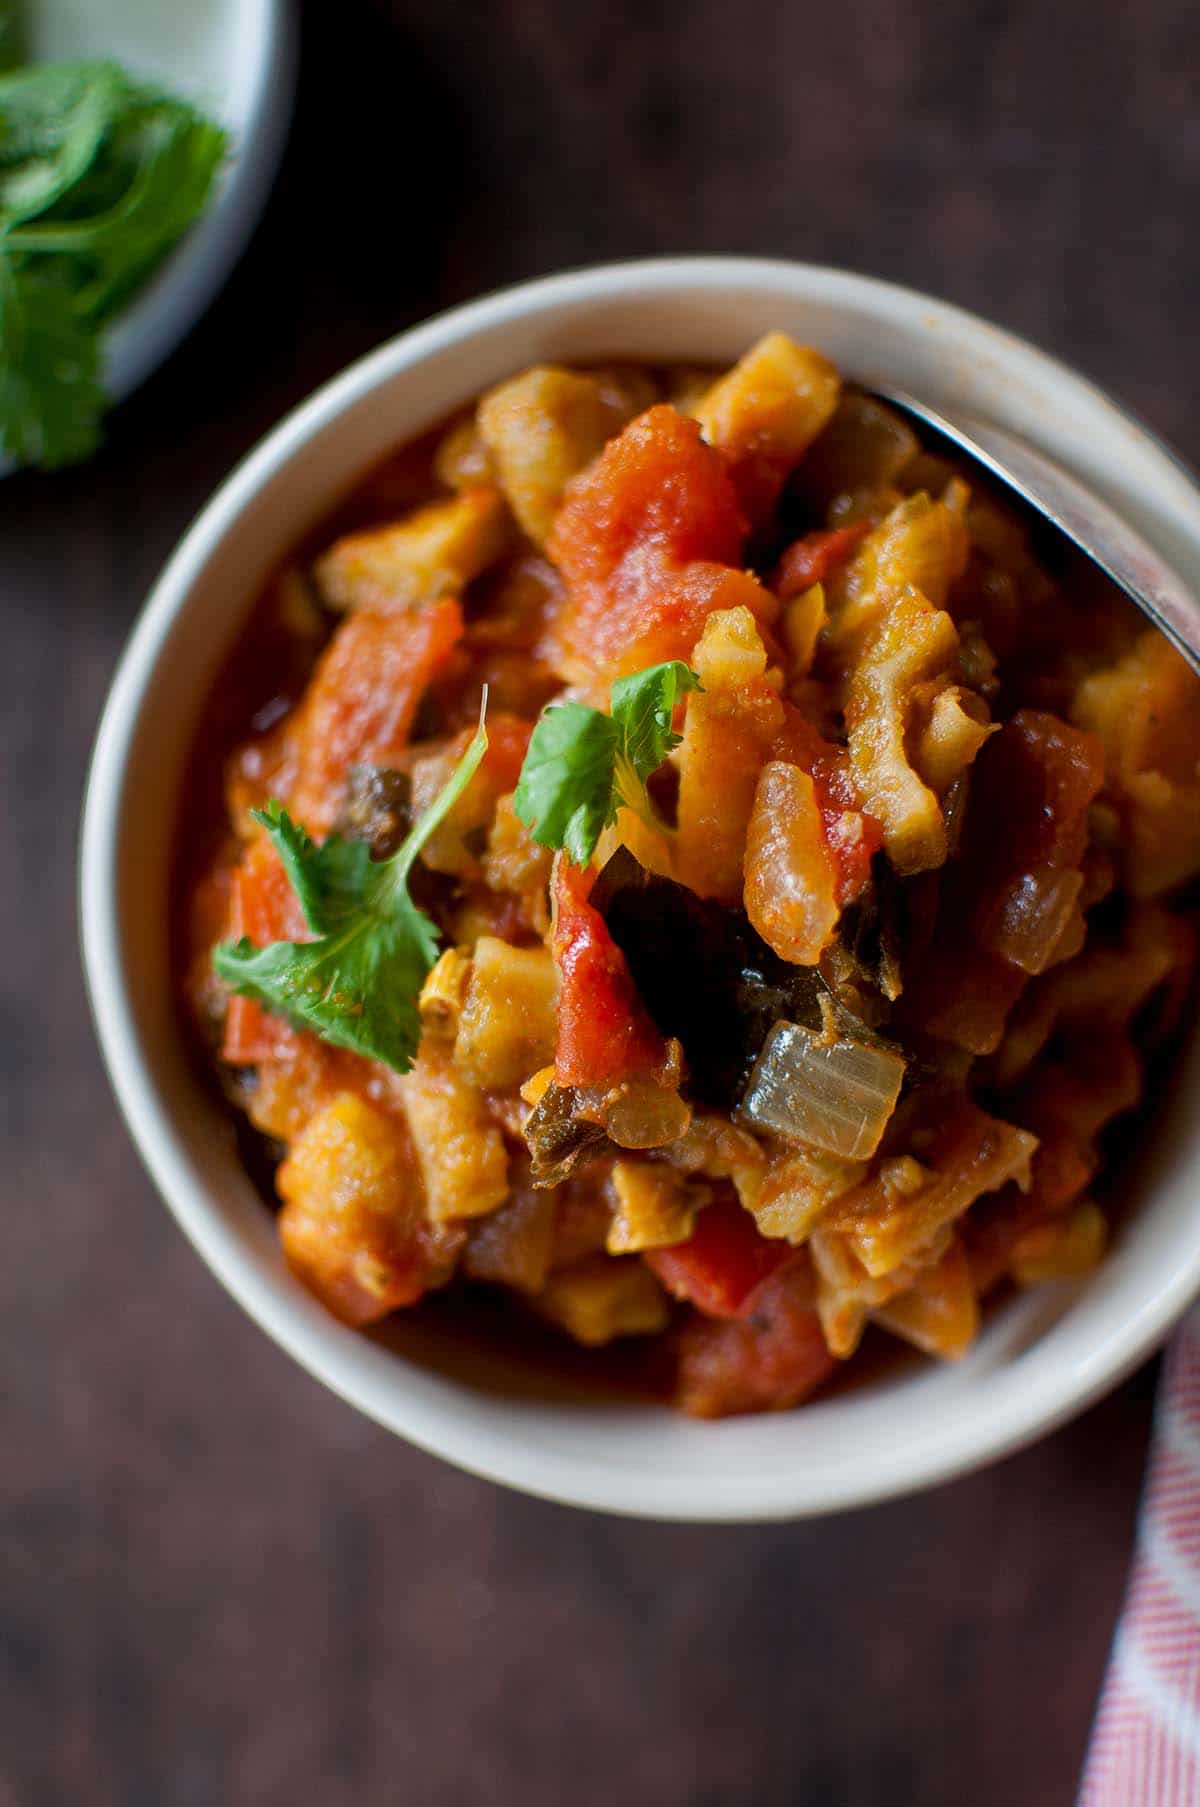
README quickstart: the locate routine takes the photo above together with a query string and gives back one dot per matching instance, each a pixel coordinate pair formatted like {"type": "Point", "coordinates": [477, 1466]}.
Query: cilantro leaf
{"type": "Point", "coordinates": [643, 706]}
{"type": "Point", "coordinates": [100, 176]}
{"type": "Point", "coordinates": [12, 34]}
{"type": "Point", "coordinates": [329, 881]}
{"type": "Point", "coordinates": [53, 121]}
{"type": "Point", "coordinates": [582, 765]}
{"type": "Point", "coordinates": [50, 394]}
{"type": "Point", "coordinates": [134, 204]}
{"type": "Point", "coordinates": [357, 984]}
{"type": "Point", "coordinates": [565, 793]}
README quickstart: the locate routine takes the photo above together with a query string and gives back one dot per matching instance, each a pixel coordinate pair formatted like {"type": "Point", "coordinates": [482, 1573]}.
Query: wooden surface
{"type": "Point", "coordinates": [217, 1584]}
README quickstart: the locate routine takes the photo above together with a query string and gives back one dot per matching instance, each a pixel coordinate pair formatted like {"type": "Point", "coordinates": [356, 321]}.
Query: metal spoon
{"type": "Point", "coordinates": [1062, 501]}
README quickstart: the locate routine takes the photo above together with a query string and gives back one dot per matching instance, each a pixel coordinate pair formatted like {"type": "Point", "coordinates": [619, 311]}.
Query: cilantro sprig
{"type": "Point", "coordinates": [100, 177]}
{"type": "Point", "coordinates": [582, 765]}
{"type": "Point", "coordinates": [357, 983]}
{"type": "Point", "coordinates": [12, 34]}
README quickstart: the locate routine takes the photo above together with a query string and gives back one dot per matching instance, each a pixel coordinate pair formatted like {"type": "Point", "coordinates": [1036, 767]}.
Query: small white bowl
{"type": "Point", "coordinates": [237, 60]}
{"type": "Point", "coordinates": [1043, 1356]}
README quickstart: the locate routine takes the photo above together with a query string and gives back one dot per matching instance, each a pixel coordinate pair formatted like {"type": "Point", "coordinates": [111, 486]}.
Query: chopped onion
{"type": "Point", "coordinates": [1026, 923]}
{"type": "Point", "coordinates": [641, 1112]}
{"type": "Point", "coordinates": [834, 1095]}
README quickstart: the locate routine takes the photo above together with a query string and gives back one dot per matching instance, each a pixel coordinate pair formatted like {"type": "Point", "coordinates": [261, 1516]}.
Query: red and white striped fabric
{"type": "Point", "coordinates": [1145, 1745]}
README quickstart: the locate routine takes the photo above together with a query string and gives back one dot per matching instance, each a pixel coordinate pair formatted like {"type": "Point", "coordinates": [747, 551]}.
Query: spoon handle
{"type": "Point", "coordinates": [1087, 521]}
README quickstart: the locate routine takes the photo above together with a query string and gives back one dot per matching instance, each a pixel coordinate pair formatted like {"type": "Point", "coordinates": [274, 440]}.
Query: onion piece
{"type": "Point", "coordinates": [834, 1095]}
{"type": "Point", "coordinates": [1026, 923]}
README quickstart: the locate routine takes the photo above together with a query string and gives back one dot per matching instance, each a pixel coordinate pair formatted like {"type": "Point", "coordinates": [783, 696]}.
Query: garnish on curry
{"type": "Point", "coordinates": [688, 864]}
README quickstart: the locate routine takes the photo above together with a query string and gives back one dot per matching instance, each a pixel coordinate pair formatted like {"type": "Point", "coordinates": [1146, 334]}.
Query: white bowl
{"type": "Point", "coordinates": [237, 60]}
{"type": "Point", "coordinates": [1040, 1358]}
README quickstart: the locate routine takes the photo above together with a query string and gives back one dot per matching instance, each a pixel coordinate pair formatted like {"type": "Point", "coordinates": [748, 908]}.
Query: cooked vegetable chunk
{"type": "Point", "coordinates": [508, 1024]}
{"type": "Point", "coordinates": [604, 1034]}
{"type": "Point", "coordinates": [647, 539]}
{"type": "Point", "coordinates": [353, 1221]}
{"type": "Point", "coordinates": [891, 1218]}
{"type": "Point", "coordinates": [513, 1245]}
{"type": "Point", "coordinates": [362, 700]}
{"type": "Point", "coordinates": [539, 429]}
{"type": "Point", "coordinates": [731, 725]}
{"type": "Point", "coordinates": [939, 1312]}
{"type": "Point", "coordinates": [766, 413]}
{"type": "Point", "coordinates": [453, 846]}
{"type": "Point", "coordinates": [655, 1207]}
{"type": "Point", "coordinates": [264, 908]}
{"type": "Point", "coordinates": [813, 559]}
{"type": "Point", "coordinates": [791, 880]}
{"type": "Point", "coordinates": [919, 545]}
{"type": "Point", "coordinates": [773, 1361]}
{"type": "Point", "coordinates": [914, 648]}
{"type": "Point", "coordinates": [1002, 914]}
{"type": "Point", "coordinates": [1063, 1250]}
{"type": "Point", "coordinates": [434, 552]}
{"type": "Point", "coordinates": [824, 1090]}
{"type": "Point", "coordinates": [443, 994]}
{"type": "Point", "coordinates": [1146, 711]}
{"type": "Point", "coordinates": [797, 1188]}
{"type": "Point", "coordinates": [602, 1298]}
{"type": "Point", "coordinates": [460, 1151]}
{"type": "Point", "coordinates": [723, 1262]}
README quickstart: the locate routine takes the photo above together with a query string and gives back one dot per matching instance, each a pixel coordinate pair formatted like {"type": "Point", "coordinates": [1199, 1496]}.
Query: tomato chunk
{"type": "Point", "coordinates": [723, 1262]}
{"type": "Point", "coordinates": [648, 539]}
{"type": "Point", "coordinates": [264, 908]}
{"type": "Point", "coordinates": [604, 1032]}
{"type": "Point", "coordinates": [360, 705]}
{"type": "Point", "coordinates": [810, 560]}
{"type": "Point", "coordinates": [656, 491]}
{"type": "Point", "coordinates": [770, 1362]}
{"type": "Point", "coordinates": [508, 743]}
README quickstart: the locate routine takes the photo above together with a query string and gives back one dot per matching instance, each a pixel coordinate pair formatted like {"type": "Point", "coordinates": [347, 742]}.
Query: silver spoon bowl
{"type": "Point", "coordinates": [1064, 504]}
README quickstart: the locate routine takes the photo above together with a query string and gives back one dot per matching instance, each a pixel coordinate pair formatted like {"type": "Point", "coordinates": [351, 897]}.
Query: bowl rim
{"type": "Point", "coordinates": [321, 1346]}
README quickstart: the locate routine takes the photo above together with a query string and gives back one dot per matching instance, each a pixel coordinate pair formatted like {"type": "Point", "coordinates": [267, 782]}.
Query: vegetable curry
{"type": "Point", "coordinates": [686, 863]}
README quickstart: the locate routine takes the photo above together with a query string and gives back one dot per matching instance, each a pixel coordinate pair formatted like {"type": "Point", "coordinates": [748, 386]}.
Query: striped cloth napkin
{"type": "Point", "coordinates": [1145, 1745]}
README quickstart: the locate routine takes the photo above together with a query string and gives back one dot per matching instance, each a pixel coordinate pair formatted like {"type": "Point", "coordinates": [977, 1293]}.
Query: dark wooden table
{"type": "Point", "coordinates": [217, 1584]}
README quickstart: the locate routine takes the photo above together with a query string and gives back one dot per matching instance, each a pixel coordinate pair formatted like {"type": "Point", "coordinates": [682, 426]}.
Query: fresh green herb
{"type": "Point", "coordinates": [51, 398]}
{"type": "Point", "coordinates": [100, 177]}
{"type": "Point", "coordinates": [357, 984]}
{"type": "Point", "coordinates": [12, 34]}
{"type": "Point", "coordinates": [582, 766]}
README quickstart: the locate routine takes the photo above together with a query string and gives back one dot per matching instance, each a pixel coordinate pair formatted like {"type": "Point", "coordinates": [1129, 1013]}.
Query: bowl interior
{"type": "Point", "coordinates": [1040, 1357]}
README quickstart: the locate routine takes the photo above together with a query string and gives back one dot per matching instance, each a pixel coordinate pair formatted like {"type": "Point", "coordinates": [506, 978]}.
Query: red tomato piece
{"type": "Point", "coordinates": [508, 742]}
{"type": "Point", "coordinates": [771, 1361]}
{"type": "Point", "coordinates": [810, 560]}
{"type": "Point", "coordinates": [363, 696]}
{"type": "Point", "coordinates": [722, 1264]}
{"type": "Point", "coordinates": [264, 908]}
{"type": "Point", "coordinates": [656, 489]}
{"type": "Point", "coordinates": [604, 1032]}
{"type": "Point", "coordinates": [648, 539]}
